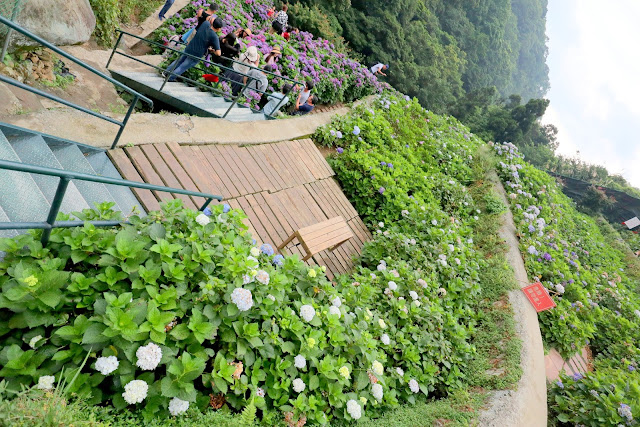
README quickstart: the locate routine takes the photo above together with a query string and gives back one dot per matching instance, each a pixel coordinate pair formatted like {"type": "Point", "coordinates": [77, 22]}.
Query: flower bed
{"type": "Point", "coordinates": [337, 77]}
{"type": "Point", "coordinates": [597, 301]}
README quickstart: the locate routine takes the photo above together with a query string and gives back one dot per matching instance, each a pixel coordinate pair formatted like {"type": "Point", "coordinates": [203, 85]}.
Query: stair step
{"type": "Point", "coordinates": [6, 233]}
{"type": "Point", "coordinates": [72, 159]}
{"type": "Point", "coordinates": [33, 149]}
{"type": "Point", "coordinates": [20, 198]}
{"type": "Point", "coordinates": [246, 118]}
{"type": "Point", "coordinates": [123, 195]}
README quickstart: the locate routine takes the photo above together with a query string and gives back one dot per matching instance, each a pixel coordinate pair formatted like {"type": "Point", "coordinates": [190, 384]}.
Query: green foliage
{"type": "Point", "coordinates": [111, 13]}
{"type": "Point", "coordinates": [315, 21]}
{"type": "Point", "coordinates": [595, 290]}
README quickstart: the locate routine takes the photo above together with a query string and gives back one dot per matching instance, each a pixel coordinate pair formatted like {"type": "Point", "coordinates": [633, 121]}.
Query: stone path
{"type": "Point", "coordinates": [555, 364]}
{"type": "Point", "coordinates": [282, 187]}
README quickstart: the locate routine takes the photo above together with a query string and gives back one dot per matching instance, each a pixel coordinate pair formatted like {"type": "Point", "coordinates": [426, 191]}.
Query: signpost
{"type": "Point", "coordinates": [538, 297]}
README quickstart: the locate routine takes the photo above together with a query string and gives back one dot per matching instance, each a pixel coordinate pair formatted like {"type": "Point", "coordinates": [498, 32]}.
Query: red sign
{"type": "Point", "coordinates": [538, 297]}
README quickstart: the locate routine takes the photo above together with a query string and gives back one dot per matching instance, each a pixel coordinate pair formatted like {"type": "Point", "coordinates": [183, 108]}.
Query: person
{"type": "Point", "coordinates": [165, 9]}
{"type": "Point", "coordinates": [203, 15]}
{"type": "Point", "coordinates": [205, 40]}
{"type": "Point", "coordinates": [307, 107]}
{"type": "Point", "coordinates": [274, 56]}
{"type": "Point", "coordinates": [277, 100]}
{"type": "Point", "coordinates": [259, 82]}
{"type": "Point", "coordinates": [304, 95]}
{"type": "Point", "coordinates": [230, 49]}
{"type": "Point", "coordinates": [279, 24]}
{"type": "Point", "coordinates": [378, 68]}
{"type": "Point", "coordinates": [242, 33]}
{"type": "Point", "coordinates": [173, 43]}
{"type": "Point", "coordinates": [250, 57]}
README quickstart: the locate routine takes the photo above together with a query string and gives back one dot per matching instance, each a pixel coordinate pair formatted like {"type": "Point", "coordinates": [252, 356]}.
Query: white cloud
{"type": "Point", "coordinates": [595, 81]}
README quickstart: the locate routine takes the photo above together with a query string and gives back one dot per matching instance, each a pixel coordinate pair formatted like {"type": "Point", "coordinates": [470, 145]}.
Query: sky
{"type": "Point", "coordinates": [594, 69]}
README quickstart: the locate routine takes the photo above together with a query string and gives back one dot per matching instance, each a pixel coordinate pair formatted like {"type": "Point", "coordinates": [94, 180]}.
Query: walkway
{"type": "Point", "coordinates": [281, 187]}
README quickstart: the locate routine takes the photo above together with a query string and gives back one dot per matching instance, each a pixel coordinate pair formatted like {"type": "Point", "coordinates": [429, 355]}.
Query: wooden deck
{"type": "Point", "coordinates": [281, 187]}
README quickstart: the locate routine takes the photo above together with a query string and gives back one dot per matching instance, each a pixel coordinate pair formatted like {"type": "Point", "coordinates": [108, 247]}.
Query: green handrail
{"type": "Point", "coordinates": [136, 95]}
{"type": "Point", "coordinates": [65, 177]}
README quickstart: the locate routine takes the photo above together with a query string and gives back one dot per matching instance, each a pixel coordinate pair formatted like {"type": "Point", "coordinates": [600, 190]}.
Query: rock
{"type": "Point", "coordinates": [61, 23]}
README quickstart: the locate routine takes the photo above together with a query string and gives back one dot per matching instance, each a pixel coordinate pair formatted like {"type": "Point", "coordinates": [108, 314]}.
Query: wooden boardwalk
{"type": "Point", "coordinates": [281, 187]}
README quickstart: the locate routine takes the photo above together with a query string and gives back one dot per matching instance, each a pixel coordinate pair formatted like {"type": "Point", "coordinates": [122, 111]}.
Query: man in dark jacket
{"type": "Point", "coordinates": [205, 40]}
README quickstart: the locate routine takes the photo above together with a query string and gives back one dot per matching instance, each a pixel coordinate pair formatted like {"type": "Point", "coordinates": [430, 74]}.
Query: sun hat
{"type": "Point", "coordinates": [276, 49]}
{"type": "Point", "coordinates": [252, 53]}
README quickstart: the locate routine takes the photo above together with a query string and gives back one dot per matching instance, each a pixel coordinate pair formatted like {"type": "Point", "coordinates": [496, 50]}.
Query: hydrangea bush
{"type": "Point", "coordinates": [597, 300]}
{"type": "Point", "coordinates": [337, 77]}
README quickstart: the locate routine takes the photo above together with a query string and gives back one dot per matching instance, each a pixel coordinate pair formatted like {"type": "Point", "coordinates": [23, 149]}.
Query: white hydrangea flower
{"type": "Point", "coordinates": [422, 283]}
{"type": "Point", "coordinates": [414, 386]}
{"type": "Point", "coordinates": [202, 219]}
{"type": "Point", "coordinates": [413, 295]}
{"type": "Point", "coordinates": [334, 310]}
{"type": "Point", "coordinates": [135, 391]}
{"type": "Point", "coordinates": [381, 224]}
{"type": "Point", "coordinates": [242, 298]}
{"type": "Point", "coordinates": [246, 279]}
{"type": "Point", "coordinates": [382, 267]}
{"type": "Point", "coordinates": [260, 392]}
{"type": "Point", "coordinates": [637, 312]}
{"type": "Point", "coordinates": [262, 277]}
{"type": "Point", "coordinates": [392, 285]}
{"type": "Point", "coordinates": [307, 312]}
{"type": "Point", "coordinates": [299, 385]}
{"type": "Point", "coordinates": [106, 365]}
{"type": "Point", "coordinates": [385, 339]}
{"type": "Point", "coordinates": [354, 409]}
{"type": "Point", "coordinates": [457, 261]}
{"type": "Point", "coordinates": [336, 302]}
{"type": "Point", "coordinates": [148, 357]}
{"type": "Point", "coordinates": [560, 288]}
{"type": "Point", "coordinates": [271, 297]}
{"type": "Point", "coordinates": [376, 391]}
{"type": "Point", "coordinates": [442, 291]}
{"type": "Point", "coordinates": [300, 362]}
{"type": "Point", "coordinates": [255, 252]}
{"type": "Point", "coordinates": [178, 406]}
{"type": "Point", "coordinates": [394, 273]}
{"type": "Point", "coordinates": [377, 368]}
{"type": "Point", "coordinates": [45, 382]}
{"type": "Point", "coordinates": [434, 222]}
{"type": "Point", "coordinates": [400, 372]}
{"type": "Point", "coordinates": [33, 341]}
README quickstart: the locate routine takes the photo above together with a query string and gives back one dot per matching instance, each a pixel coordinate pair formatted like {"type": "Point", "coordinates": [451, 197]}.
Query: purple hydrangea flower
{"type": "Point", "coordinates": [383, 164]}
{"type": "Point", "coordinates": [340, 150]}
{"type": "Point", "coordinates": [559, 384]}
{"type": "Point", "coordinates": [266, 249]}
{"type": "Point", "coordinates": [390, 165]}
{"type": "Point", "coordinates": [356, 130]}
{"type": "Point", "coordinates": [577, 376]}
{"type": "Point", "coordinates": [381, 190]}
{"type": "Point", "coordinates": [546, 256]}
{"type": "Point", "coordinates": [278, 260]}
{"type": "Point", "coordinates": [339, 134]}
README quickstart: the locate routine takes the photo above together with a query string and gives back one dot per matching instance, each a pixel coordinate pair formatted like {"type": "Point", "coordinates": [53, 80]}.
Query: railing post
{"type": "Point", "coordinates": [14, 15]}
{"type": "Point", "coordinates": [124, 121]}
{"type": "Point", "coordinates": [235, 100]}
{"type": "Point", "coordinates": [114, 49]}
{"type": "Point", "coordinates": [169, 73]}
{"type": "Point", "coordinates": [55, 208]}
{"type": "Point", "coordinates": [206, 204]}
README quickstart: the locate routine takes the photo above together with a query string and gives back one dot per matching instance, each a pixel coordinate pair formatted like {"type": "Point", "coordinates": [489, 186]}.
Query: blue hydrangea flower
{"type": "Point", "coordinates": [381, 190]}
{"type": "Point", "coordinates": [390, 165]}
{"type": "Point", "coordinates": [356, 130]}
{"type": "Point", "coordinates": [339, 134]}
{"type": "Point", "coordinates": [226, 208]}
{"type": "Point", "coordinates": [332, 132]}
{"type": "Point", "coordinates": [577, 376]}
{"type": "Point", "coordinates": [340, 150]}
{"type": "Point", "coordinates": [207, 211]}
{"type": "Point", "coordinates": [278, 260]}
{"type": "Point", "coordinates": [559, 384]}
{"type": "Point", "coordinates": [266, 249]}
{"type": "Point", "coordinates": [531, 228]}
{"type": "Point", "coordinates": [383, 164]}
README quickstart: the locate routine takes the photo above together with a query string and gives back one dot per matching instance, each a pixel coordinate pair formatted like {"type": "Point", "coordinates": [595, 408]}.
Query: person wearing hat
{"type": "Point", "coordinates": [274, 56]}
{"type": "Point", "coordinates": [242, 33]}
{"type": "Point", "coordinates": [205, 40]}
{"type": "Point", "coordinates": [249, 58]}
{"type": "Point", "coordinates": [378, 68]}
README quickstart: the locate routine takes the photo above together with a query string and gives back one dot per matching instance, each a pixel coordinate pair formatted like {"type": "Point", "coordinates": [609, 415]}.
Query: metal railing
{"type": "Point", "coordinates": [201, 60]}
{"type": "Point", "coordinates": [65, 177]}
{"type": "Point", "coordinates": [136, 95]}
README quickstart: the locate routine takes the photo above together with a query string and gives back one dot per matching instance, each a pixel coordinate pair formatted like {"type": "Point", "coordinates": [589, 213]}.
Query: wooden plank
{"type": "Point", "coordinates": [334, 187]}
{"type": "Point", "coordinates": [325, 203]}
{"type": "Point", "coordinates": [272, 209]}
{"type": "Point", "coordinates": [142, 164]}
{"type": "Point", "coordinates": [193, 166]}
{"type": "Point", "coordinates": [218, 165]}
{"type": "Point", "coordinates": [287, 218]}
{"type": "Point", "coordinates": [164, 172]}
{"type": "Point", "coordinates": [182, 176]}
{"type": "Point", "coordinates": [275, 236]}
{"type": "Point", "coordinates": [324, 241]}
{"type": "Point", "coordinates": [298, 169]}
{"type": "Point", "coordinates": [262, 234]}
{"type": "Point", "coordinates": [283, 158]}
{"type": "Point", "coordinates": [231, 169]}
{"type": "Point", "coordinates": [215, 183]}
{"type": "Point", "coordinates": [236, 205]}
{"type": "Point", "coordinates": [300, 155]}
{"type": "Point", "coordinates": [311, 165]}
{"type": "Point", "coordinates": [311, 229]}
{"type": "Point", "coordinates": [338, 198]}
{"type": "Point", "coordinates": [257, 173]}
{"type": "Point", "coordinates": [323, 170]}
{"type": "Point", "coordinates": [273, 158]}
{"type": "Point", "coordinates": [273, 182]}
{"type": "Point", "coordinates": [128, 171]}
{"type": "Point", "coordinates": [231, 154]}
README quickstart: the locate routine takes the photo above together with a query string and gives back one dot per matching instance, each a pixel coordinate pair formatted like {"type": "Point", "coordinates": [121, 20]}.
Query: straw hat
{"type": "Point", "coordinates": [276, 50]}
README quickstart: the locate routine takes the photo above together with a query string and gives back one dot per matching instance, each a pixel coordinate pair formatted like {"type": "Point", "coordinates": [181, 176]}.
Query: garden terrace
{"type": "Point", "coordinates": [281, 187]}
